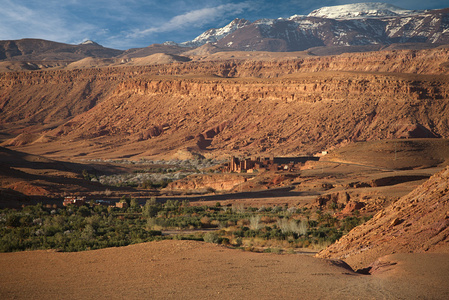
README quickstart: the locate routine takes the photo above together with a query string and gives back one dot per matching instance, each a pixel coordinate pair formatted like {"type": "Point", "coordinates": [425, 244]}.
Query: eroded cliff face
{"type": "Point", "coordinates": [31, 101]}
{"type": "Point", "coordinates": [300, 107]}
{"type": "Point", "coordinates": [284, 116]}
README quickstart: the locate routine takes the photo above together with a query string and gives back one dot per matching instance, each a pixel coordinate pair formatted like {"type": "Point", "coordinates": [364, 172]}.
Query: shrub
{"type": "Point", "coordinates": [13, 220]}
{"type": "Point", "coordinates": [154, 232]}
{"type": "Point", "coordinates": [303, 226]}
{"type": "Point", "coordinates": [238, 208]}
{"type": "Point", "coordinates": [350, 222]}
{"type": "Point", "coordinates": [205, 221]}
{"type": "Point", "coordinates": [254, 222]}
{"type": "Point", "coordinates": [289, 226]}
{"type": "Point", "coordinates": [211, 237]}
{"type": "Point", "coordinates": [83, 211]}
{"type": "Point", "coordinates": [274, 250]}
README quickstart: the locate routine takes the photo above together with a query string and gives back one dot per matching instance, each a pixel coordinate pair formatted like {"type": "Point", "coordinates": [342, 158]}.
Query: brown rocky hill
{"type": "Point", "coordinates": [42, 50]}
{"type": "Point", "coordinates": [418, 222]}
{"type": "Point", "coordinates": [27, 178]}
{"type": "Point", "coordinates": [153, 49]}
{"type": "Point", "coordinates": [240, 106]}
{"type": "Point", "coordinates": [48, 99]}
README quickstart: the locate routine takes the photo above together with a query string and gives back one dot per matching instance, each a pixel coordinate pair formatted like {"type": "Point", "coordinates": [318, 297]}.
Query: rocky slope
{"type": "Point", "coordinates": [141, 111]}
{"type": "Point", "coordinates": [213, 182]}
{"type": "Point", "coordinates": [344, 25]}
{"type": "Point", "coordinates": [418, 222]}
{"type": "Point", "coordinates": [47, 99]}
{"type": "Point", "coordinates": [284, 116]}
{"type": "Point", "coordinates": [26, 179]}
{"type": "Point", "coordinates": [42, 50]}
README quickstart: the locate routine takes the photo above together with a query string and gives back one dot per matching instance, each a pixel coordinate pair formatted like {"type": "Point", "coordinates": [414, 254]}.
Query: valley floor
{"type": "Point", "coordinates": [196, 270]}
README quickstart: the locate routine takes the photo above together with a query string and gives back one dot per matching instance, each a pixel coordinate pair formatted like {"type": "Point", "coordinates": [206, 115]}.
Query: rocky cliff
{"type": "Point", "coordinates": [284, 107]}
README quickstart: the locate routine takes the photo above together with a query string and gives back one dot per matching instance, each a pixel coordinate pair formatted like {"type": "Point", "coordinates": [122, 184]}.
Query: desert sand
{"type": "Point", "coordinates": [197, 270]}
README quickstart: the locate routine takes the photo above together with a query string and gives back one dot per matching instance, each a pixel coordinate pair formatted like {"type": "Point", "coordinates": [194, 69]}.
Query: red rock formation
{"type": "Point", "coordinates": [114, 108]}
{"type": "Point", "coordinates": [418, 222]}
{"type": "Point", "coordinates": [216, 182]}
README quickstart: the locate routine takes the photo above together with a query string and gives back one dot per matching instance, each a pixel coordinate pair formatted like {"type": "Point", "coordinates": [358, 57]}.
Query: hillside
{"type": "Point", "coordinates": [26, 179]}
{"type": "Point", "coordinates": [404, 154]}
{"type": "Point", "coordinates": [220, 108]}
{"type": "Point", "coordinates": [416, 223]}
{"type": "Point", "coordinates": [42, 50]}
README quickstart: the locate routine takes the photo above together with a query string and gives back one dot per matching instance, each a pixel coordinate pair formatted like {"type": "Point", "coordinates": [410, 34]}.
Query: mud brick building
{"type": "Point", "coordinates": [271, 163]}
{"type": "Point", "coordinates": [74, 200]}
{"type": "Point", "coordinates": [249, 164]}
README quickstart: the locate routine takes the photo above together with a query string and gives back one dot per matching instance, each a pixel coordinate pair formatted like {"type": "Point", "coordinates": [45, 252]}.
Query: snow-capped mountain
{"type": "Point", "coordinates": [214, 34]}
{"type": "Point", "coordinates": [343, 25]}
{"type": "Point", "coordinates": [360, 10]}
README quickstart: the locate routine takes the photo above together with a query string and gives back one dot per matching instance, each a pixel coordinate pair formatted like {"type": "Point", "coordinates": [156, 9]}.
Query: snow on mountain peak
{"type": "Point", "coordinates": [360, 10]}
{"type": "Point", "coordinates": [169, 43]}
{"type": "Point", "coordinates": [88, 42]}
{"type": "Point", "coordinates": [358, 24]}
{"type": "Point", "coordinates": [296, 17]}
{"type": "Point", "coordinates": [215, 34]}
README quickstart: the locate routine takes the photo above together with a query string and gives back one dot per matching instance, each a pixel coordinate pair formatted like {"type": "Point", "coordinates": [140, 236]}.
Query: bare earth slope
{"type": "Point", "coordinates": [418, 222]}
{"type": "Point", "coordinates": [26, 178]}
{"type": "Point", "coordinates": [195, 270]}
{"type": "Point", "coordinates": [148, 116]}
{"type": "Point", "coordinates": [404, 153]}
{"type": "Point", "coordinates": [242, 107]}
{"type": "Point", "coordinates": [32, 101]}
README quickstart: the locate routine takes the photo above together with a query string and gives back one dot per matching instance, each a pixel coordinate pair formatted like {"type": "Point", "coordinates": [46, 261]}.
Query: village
{"type": "Point", "coordinates": [81, 200]}
{"type": "Point", "coordinates": [257, 164]}
{"type": "Point", "coordinates": [253, 165]}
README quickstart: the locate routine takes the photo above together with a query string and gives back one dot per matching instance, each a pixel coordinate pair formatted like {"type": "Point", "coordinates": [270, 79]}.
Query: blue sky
{"type": "Point", "coordinates": [124, 24]}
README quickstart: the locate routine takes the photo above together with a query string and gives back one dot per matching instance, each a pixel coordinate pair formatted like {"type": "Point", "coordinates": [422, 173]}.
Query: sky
{"type": "Point", "coordinates": [125, 24]}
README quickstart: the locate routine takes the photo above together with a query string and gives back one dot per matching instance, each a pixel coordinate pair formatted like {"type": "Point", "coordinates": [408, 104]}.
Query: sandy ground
{"type": "Point", "coordinates": [195, 270]}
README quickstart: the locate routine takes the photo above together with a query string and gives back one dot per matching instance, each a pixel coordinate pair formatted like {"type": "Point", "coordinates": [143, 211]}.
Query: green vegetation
{"type": "Point", "coordinates": [154, 174]}
{"type": "Point", "coordinates": [269, 229]}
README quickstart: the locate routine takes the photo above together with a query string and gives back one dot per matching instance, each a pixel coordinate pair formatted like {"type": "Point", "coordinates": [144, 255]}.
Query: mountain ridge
{"type": "Point", "coordinates": [333, 26]}
{"type": "Point", "coordinates": [39, 49]}
{"type": "Point", "coordinates": [358, 25]}
{"type": "Point", "coordinates": [361, 10]}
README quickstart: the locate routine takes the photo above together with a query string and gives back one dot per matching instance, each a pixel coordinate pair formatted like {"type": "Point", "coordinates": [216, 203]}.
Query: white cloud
{"type": "Point", "coordinates": [195, 18]}
{"type": "Point", "coordinates": [41, 21]}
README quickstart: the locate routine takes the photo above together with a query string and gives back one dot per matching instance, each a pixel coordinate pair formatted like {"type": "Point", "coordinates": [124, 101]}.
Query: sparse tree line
{"type": "Point", "coordinates": [72, 228]}
{"type": "Point", "coordinates": [157, 175]}
{"type": "Point", "coordinates": [200, 163]}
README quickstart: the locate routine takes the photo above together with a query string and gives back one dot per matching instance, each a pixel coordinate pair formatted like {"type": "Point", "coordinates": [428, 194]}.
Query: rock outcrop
{"type": "Point", "coordinates": [418, 222]}
{"type": "Point", "coordinates": [206, 183]}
